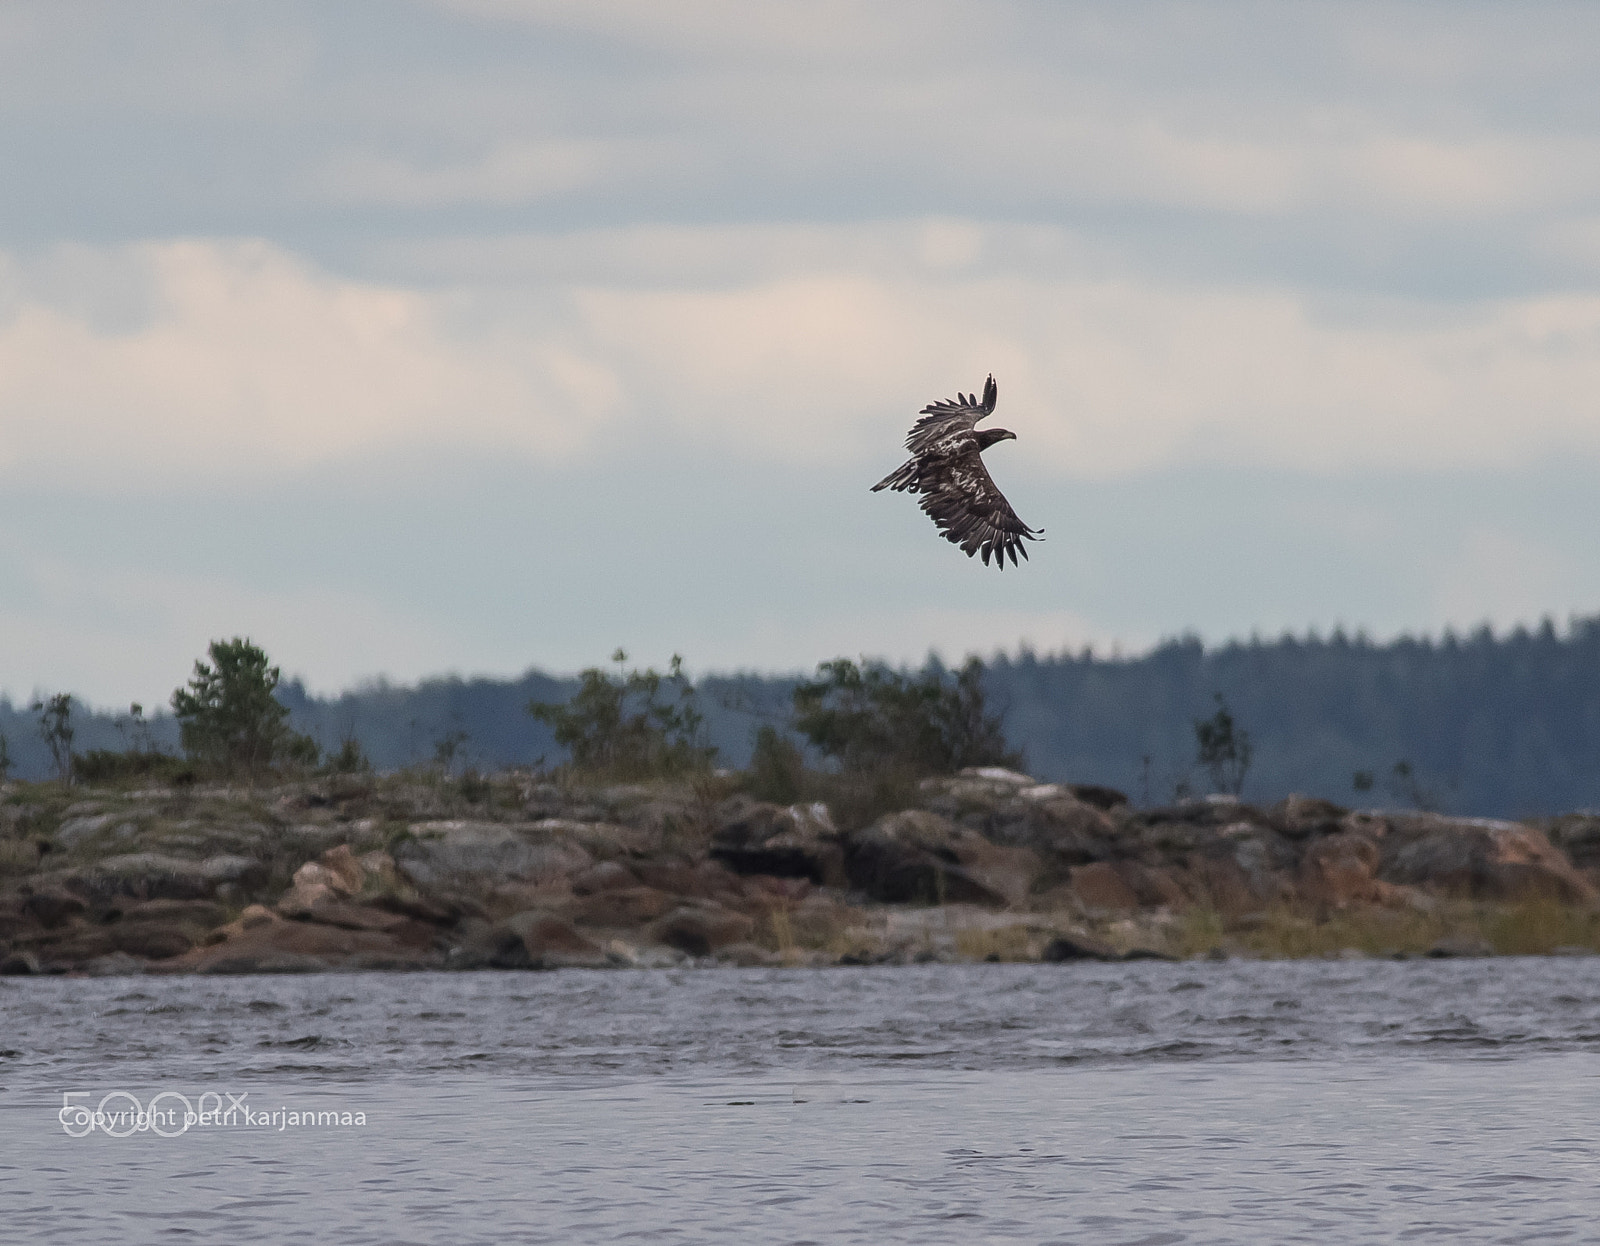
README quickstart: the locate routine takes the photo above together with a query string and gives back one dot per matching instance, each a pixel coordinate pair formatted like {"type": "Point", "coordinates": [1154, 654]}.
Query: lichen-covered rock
{"type": "Point", "coordinates": [1480, 858]}
{"type": "Point", "coordinates": [466, 856]}
{"type": "Point", "coordinates": [1014, 811]}
{"type": "Point", "coordinates": [151, 876]}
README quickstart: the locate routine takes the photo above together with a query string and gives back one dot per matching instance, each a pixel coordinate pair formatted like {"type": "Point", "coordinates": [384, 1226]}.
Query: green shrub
{"type": "Point", "coordinates": [870, 718]}
{"type": "Point", "coordinates": [619, 724]}
{"type": "Point", "coordinates": [349, 758]}
{"type": "Point", "coordinates": [104, 765]}
{"type": "Point", "coordinates": [777, 770]}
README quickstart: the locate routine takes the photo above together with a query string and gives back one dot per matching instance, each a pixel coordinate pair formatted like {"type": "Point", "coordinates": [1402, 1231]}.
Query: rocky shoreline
{"type": "Point", "coordinates": [403, 872]}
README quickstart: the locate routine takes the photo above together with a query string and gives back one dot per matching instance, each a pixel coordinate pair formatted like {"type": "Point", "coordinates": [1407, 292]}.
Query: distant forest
{"type": "Point", "coordinates": [1494, 725]}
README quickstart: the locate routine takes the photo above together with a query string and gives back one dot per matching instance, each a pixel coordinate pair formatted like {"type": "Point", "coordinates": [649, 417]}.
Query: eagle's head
{"type": "Point", "coordinates": [989, 436]}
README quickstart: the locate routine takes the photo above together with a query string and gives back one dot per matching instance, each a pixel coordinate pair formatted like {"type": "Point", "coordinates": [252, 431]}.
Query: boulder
{"type": "Point", "coordinates": [474, 856]}
{"type": "Point", "coordinates": [19, 963]}
{"type": "Point", "coordinates": [1105, 798]}
{"type": "Point", "coordinates": [626, 906]}
{"type": "Point", "coordinates": [1578, 835]}
{"type": "Point", "coordinates": [1265, 858]}
{"type": "Point", "coordinates": [1058, 825]}
{"type": "Point", "coordinates": [1011, 873]}
{"type": "Point", "coordinates": [14, 919]}
{"type": "Point", "coordinates": [706, 880]}
{"type": "Point", "coordinates": [1480, 858]}
{"type": "Point", "coordinates": [912, 857]}
{"type": "Point", "coordinates": [765, 889]}
{"type": "Point", "coordinates": [602, 840]}
{"type": "Point", "coordinates": [348, 916]}
{"type": "Point", "coordinates": [200, 915]}
{"type": "Point", "coordinates": [544, 941]}
{"type": "Point", "coordinates": [261, 941]}
{"type": "Point", "coordinates": [323, 886]}
{"type": "Point", "coordinates": [1302, 817]}
{"type": "Point", "coordinates": [337, 869]}
{"type": "Point", "coordinates": [1460, 946]}
{"type": "Point", "coordinates": [1099, 886]}
{"type": "Point", "coordinates": [999, 775]}
{"type": "Point", "coordinates": [1126, 884]}
{"type": "Point", "coordinates": [701, 928]}
{"type": "Point", "coordinates": [797, 841]}
{"type": "Point", "coordinates": [1218, 882]}
{"type": "Point", "coordinates": [150, 876]}
{"type": "Point", "coordinates": [1341, 869]}
{"type": "Point", "coordinates": [52, 906]}
{"type": "Point", "coordinates": [74, 831]}
{"type": "Point", "coordinates": [68, 946]}
{"type": "Point", "coordinates": [604, 876]}
{"type": "Point", "coordinates": [1012, 810]}
{"type": "Point", "coordinates": [304, 897]}
{"type": "Point", "coordinates": [1077, 947]}
{"type": "Point", "coordinates": [152, 940]}
{"type": "Point", "coordinates": [378, 870]}
{"type": "Point", "coordinates": [154, 929]}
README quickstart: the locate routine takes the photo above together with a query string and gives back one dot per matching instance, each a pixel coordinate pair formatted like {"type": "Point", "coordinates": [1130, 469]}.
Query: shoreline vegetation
{"type": "Point", "coordinates": [918, 838]}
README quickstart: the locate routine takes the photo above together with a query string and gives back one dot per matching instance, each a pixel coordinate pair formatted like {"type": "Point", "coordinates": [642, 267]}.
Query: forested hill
{"type": "Point", "coordinates": [1506, 725]}
{"type": "Point", "coordinates": [1503, 726]}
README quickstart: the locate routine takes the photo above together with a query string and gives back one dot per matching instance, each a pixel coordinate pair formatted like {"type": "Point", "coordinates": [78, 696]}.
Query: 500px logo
{"type": "Point", "coordinates": [120, 1114]}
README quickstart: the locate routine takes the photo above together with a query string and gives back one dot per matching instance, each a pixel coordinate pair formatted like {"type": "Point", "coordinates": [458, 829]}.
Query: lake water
{"type": "Point", "coordinates": [1454, 1101]}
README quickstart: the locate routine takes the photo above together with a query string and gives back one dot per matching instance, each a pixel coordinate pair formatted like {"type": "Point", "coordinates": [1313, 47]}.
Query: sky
{"type": "Point", "coordinates": [478, 335]}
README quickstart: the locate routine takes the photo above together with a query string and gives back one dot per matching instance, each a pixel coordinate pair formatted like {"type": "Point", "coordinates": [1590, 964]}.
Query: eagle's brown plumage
{"type": "Point", "coordinates": [958, 494]}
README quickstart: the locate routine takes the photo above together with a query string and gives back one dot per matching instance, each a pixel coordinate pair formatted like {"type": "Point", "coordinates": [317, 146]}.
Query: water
{"type": "Point", "coordinates": [1150, 1103]}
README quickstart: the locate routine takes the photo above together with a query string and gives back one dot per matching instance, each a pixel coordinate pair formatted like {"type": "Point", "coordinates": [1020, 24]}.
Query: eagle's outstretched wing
{"type": "Point", "coordinates": [949, 418]}
{"type": "Point", "coordinates": [960, 496]}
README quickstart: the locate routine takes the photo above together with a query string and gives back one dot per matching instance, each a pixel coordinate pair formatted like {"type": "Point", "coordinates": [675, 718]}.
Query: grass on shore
{"type": "Point", "coordinates": [1520, 928]}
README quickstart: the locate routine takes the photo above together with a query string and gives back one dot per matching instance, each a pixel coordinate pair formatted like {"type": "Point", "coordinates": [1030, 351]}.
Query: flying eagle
{"type": "Point", "coordinates": [957, 491]}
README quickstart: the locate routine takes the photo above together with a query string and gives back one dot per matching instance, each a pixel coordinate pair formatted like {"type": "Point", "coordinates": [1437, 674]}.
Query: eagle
{"type": "Point", "coordinates": [958, 493]}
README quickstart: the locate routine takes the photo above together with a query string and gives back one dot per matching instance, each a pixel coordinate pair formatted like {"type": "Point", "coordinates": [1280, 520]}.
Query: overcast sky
{"type": "Point", "coordinates": [485, 334]}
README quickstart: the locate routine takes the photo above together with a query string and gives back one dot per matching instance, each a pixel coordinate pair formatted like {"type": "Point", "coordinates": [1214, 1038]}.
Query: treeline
{"type": "Point", "coordinates": [1480, 724]}
{"type": "Point", "coordinates": [1497, 725]}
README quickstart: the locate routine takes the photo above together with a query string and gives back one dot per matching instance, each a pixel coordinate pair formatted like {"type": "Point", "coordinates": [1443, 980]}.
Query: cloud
{"type": "Point", "coordinates": [189, 360]}
{"type": "Point", "coordinates": [242, 359]}
{"type": "Point", "coordinates": [510, 173]}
